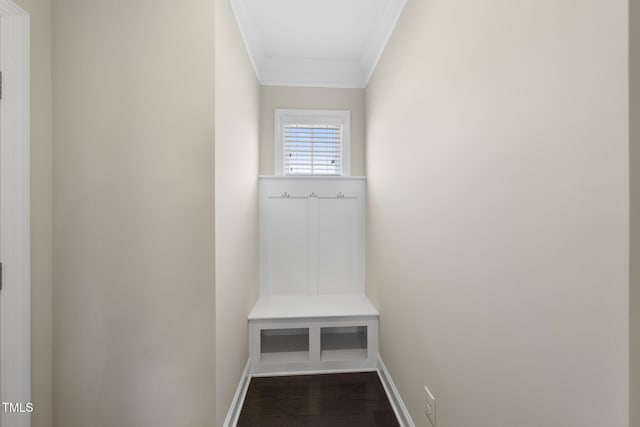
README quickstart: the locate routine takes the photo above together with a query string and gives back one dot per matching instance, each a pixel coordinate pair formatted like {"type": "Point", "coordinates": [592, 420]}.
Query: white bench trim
{"type": "Point", "coordinates": [294, 363]}
{"type": "Point", "coordinates": [312, 306]}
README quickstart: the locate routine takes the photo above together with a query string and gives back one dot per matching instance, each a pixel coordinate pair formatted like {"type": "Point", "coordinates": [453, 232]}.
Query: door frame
{"type": "Point", "coordinates": [15, 309]}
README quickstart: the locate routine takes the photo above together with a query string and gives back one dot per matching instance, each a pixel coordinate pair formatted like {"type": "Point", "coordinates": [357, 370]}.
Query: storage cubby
{"type": "Point", "coordinates": [312, 314]}
{"type": "Point", "coordinates": [343, 343]}
{"type": "Point", "coordinates": [284, 345]}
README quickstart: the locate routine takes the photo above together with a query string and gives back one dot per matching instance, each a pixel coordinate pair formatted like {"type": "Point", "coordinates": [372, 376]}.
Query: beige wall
{"type": "Point", "coordinates": [236, 211]}
{"type": "Point", "coordinates": [272, 97]}
{"type": "Point", "coordinates": [635, 212]}
{"type": "Point", "coordinates": [133, 213]}
{"type": "Point", "coordinates": [41, 209]}
{"type": "Point", "coordinates": [498, 211]}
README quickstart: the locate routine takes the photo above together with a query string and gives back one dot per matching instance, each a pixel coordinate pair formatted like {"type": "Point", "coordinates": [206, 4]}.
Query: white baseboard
{"type": "Point", "coordinates": [238, 399]}
{"type": "Point", "coordinates": [394, 397]}
{"type": "Point", "coordinates": [319, 372]}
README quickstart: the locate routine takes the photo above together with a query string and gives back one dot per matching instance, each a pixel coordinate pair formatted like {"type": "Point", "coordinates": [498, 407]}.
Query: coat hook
{"type": "Point", "coordinates": [285, 195]}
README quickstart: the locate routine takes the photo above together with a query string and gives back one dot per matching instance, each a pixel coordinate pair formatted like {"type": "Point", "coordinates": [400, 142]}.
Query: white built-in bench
{"type": "Point", "coordinates": [289, 334]}
{"type": "Point", "coordinates": [312, 314]}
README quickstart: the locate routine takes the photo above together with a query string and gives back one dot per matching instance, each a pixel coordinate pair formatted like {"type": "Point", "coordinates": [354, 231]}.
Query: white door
{"type": "Point", "coordinates": [15, 349]}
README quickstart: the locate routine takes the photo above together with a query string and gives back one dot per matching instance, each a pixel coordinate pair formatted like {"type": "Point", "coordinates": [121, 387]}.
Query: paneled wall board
{"type": "Point", "coordinates": [287, 245]}
{"type": "Point", "coordinates": [312, 235]}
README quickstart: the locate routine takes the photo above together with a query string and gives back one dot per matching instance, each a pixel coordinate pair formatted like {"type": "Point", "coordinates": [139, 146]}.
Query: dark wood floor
{"type": "Point", "coordinates": [337, 400]}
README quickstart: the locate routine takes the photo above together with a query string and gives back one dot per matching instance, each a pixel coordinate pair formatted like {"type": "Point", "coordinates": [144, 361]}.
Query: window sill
{"type": "Point", "coordinates": [320, 177]}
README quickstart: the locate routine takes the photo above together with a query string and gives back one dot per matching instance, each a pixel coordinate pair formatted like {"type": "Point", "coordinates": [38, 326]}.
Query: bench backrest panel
{"type": "Point", "coordinates": [312, 236]}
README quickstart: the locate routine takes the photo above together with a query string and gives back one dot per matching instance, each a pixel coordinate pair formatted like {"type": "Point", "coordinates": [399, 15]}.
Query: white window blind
{"type": "Point", "coordinates": [312, 149]}
{"type": "Point", "coordinates": [312, 142]}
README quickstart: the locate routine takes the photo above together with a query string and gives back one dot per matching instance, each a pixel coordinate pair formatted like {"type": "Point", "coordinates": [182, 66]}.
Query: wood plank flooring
{"type": "Point", "coordinates": [336, 400]}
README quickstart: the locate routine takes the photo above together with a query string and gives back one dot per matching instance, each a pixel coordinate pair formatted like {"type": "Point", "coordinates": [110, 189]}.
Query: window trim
{"type": "Point", "coordinates": [285, 117]}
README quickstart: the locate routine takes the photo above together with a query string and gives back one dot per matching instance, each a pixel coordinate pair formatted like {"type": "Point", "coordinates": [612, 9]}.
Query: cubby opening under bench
{"type": "Point", "coordinates": [319, 333]}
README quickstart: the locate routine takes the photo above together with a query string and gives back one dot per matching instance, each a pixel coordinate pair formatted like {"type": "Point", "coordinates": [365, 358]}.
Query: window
{"type": "Point", "coordinates": [312, 142]}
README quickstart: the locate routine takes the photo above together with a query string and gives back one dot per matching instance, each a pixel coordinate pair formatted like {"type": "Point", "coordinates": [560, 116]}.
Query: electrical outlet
{"type": "Point", "coordinates": [430, 408]}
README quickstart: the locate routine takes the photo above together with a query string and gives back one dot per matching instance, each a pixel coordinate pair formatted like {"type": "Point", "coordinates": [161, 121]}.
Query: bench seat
{"type": "Point", "coordinates": [310, 306]}
{"type": "Point", "coordinates": [313, 333]}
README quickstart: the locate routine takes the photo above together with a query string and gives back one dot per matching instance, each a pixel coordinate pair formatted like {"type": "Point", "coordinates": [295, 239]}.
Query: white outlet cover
{"type": "Point", "coordinates": [430, 408]}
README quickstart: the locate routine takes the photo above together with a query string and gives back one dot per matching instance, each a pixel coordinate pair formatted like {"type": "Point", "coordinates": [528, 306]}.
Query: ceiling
{"type": "Point", "coordinates": [322, 43]}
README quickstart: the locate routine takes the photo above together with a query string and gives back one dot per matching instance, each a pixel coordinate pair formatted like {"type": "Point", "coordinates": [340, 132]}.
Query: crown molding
{"type": "Point", "coordinates": [250, 36]}
{"type": "Point", "coordinates": [389, 17]}
{"type": "Point", "coordinates": [330, 73]}
{"type": "Point", "coordinates": [9, 8]}
{"type": "Point", "coordinates": [312, 73]}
